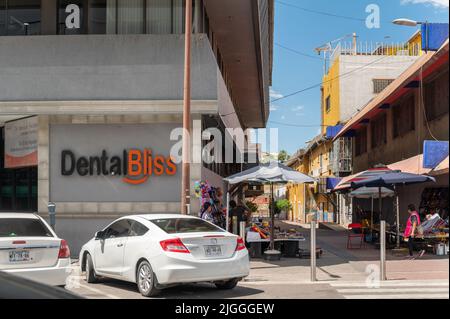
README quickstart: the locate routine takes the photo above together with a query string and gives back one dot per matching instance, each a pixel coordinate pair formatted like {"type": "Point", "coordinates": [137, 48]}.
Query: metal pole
{"type": "Point", "coordinates": [371, 221]}
{"type": "Point", "coordinates": [227, 222]}
{"type": "Point", "coordinates": [313, 250]}
{"type": "Point", "coordinates": [397, 212]}
{"type": "Point", "coordinates": [272, 220]}
{"type": "Point", "coordinates": [383, 250]}
{"type": "Point", "coordinates": [380, 203]}
{"type": "Point", "coordinates": [185, 178]}
{"type": "Point", "coordinates": [242, 230]}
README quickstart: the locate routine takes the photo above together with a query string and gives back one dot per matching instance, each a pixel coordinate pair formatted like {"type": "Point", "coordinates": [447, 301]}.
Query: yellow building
{"type": "Point", "coordinates": [307, 199]}
{"type": "Point", "coordinates": [356, 74]}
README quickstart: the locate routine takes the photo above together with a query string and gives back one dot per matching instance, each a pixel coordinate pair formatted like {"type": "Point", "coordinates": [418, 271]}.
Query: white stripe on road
{"type": "Point", "coordinates": [401, 296]}
{"type": "Point", "coordinates": [392, 290]}
{"type": "Point", "coordinates": [99, 292]}
{"type": "Point", "coordinates": [391, 284]}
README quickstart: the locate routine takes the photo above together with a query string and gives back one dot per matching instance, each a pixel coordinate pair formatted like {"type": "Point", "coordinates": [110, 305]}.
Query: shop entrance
{"type": "Point", "coordinates": [18, 186]}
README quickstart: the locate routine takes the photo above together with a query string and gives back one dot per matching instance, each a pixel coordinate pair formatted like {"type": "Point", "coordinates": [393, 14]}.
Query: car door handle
{"type": "Point", "coordinates": [119, 245]}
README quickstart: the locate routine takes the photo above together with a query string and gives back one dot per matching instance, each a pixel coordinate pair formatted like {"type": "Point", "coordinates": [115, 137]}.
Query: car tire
{"type": "Point", "coordinates": [226, 285]}
{"type": "Point", "coordinates": [146, 280]}
{"type": "Point", "coordinates": [91, 276]}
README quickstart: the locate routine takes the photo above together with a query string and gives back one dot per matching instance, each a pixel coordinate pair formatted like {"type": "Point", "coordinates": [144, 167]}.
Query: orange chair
{"type": "Point", "coordinates": [352, 234]}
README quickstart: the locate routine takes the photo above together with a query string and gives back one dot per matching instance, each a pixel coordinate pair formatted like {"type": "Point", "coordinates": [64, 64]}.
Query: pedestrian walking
{"type": "Point", "coordinates": [411, 231]}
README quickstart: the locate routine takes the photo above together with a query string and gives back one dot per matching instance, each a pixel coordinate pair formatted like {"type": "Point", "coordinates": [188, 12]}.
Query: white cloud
{"type": "Point", "coordinates": [435, 3]}
{"type": "Point", "coordinates": [275, 94]}
{"type": "Point", "coordinates": [274, 108]}
{"type": "Point", "coordinates": [297, 108]}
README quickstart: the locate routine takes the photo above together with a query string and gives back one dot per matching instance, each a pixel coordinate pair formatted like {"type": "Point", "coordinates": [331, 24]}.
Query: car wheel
{"type": "Point", "coordinates": [225, 285]}
{"type": "Point", "coordinates": [91, 277]}
{"type": "Point", "coordinates": [146, 280]}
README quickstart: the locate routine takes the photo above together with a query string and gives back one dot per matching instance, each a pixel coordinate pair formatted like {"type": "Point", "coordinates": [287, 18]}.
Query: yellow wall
{"type": "Point", "coordinates": [416, 41]}
{"type": "Point", "coordinates": [330, 88]}
{"type": "Point", "coordinates": [296, 193]}
{"type": "Point", "coordinates": [313, 200]}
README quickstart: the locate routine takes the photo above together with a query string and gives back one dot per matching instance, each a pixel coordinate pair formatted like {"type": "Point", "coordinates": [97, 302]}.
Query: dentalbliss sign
{"type": "Point", "coordinates": [136, 166]}
{"type": "Point", "coordinates": [113, 163]}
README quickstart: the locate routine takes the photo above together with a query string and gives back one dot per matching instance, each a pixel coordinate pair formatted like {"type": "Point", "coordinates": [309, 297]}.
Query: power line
{"type": "Point", "coordinates": [298, 52]}
{"type": "Point", "coordinates": [321, 12]}
{"type": "Point", "coordinates": [330, 80]}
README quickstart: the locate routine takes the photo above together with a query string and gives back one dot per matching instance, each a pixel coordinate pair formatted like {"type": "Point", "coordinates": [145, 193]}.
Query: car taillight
{"type": "Point", "coordinates": [174, 245]}
{"type": "Point", "coordinates": [240, 244]}
{"type": "Point", "coordinates": [64, 251]}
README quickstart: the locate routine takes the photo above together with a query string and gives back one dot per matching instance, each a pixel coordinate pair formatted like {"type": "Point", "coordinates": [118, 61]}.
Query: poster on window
{"type": "Point", "coordinates": [21, 143]}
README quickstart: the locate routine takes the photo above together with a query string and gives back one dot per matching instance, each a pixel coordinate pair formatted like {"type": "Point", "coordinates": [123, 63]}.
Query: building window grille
{"type": "Point", "coordinates": [380, 84]}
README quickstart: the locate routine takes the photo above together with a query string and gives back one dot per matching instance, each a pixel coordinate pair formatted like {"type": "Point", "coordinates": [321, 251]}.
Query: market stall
{"type": "Point", "coordinates": [272, 173]}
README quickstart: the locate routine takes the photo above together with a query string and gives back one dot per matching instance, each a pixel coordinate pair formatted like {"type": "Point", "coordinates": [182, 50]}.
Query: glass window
{"type": "Point", "coordinates": [71, 17]}
{"type": "Point", "coordinates": [185, 225]}
{"type": "Point", "coordinates": [120, 228]}
{"type": "Point", "coordinates": [97, 17]}
{"type": "Point", "coordinates": [137, 229]}
{"type": "Point", "coordinates": [20, 17]}
{"type": "Point", "coordinates": [23, 227]}
{"type": "Point", "coordinates": [2, 17]}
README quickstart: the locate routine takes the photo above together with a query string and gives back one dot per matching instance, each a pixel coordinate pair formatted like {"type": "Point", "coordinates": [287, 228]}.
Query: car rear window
{"type": "Point", "coordinates": [23, 227]}
{"type": "Point", "coordinates": [185, 225]}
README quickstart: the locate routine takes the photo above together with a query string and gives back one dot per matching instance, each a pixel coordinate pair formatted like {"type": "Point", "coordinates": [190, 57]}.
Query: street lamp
{"type": "Point", "coordinates": [407, 22]}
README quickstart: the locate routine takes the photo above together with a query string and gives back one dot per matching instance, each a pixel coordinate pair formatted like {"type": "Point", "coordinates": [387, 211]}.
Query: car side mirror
{"type": "Point", "coordinates": [99, 235]}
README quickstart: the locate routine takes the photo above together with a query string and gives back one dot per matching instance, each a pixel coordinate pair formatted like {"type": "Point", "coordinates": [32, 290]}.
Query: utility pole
{"type": "Point", "coordinates": [185, 178]}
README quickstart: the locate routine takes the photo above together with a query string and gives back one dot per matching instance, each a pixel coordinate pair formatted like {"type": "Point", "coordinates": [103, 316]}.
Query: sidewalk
{"type": "Point", "coordinates": [340, 264]}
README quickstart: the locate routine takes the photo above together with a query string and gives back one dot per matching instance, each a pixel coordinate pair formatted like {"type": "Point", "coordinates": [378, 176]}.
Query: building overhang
{"type": "Point", "coordinates": [237, 31]}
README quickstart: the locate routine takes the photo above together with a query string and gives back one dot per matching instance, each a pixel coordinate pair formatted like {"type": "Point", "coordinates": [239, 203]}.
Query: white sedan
{"type": "Point", "coordinates": [158, 251]}
{"type": "Point", "coordinates": [29, 248]}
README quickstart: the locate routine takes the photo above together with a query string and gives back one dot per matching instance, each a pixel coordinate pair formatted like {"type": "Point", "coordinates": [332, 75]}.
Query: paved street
{"type": "Point", "coordinates": [341, 274]}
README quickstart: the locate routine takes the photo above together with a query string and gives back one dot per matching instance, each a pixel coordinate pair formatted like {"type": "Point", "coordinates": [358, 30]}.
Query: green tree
{"type": "Point", "coordinates": [283, 205]}
{"type": "Point", "coordinates": [283, 156]}
{"type": "Point", "coordinates": [252, 206]}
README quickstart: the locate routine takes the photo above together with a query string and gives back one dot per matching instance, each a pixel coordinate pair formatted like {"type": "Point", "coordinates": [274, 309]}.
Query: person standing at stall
{"type": "Point", "coordinates": [411, 230]}
{"type": "Point", "coordinates": [238, 211]}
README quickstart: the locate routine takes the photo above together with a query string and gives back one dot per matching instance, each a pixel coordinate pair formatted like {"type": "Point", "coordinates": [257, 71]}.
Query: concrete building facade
{"type": "Point", "coordinates": [104, 83]}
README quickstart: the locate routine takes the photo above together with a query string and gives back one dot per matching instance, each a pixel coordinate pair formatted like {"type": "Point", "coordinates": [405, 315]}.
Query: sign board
{"type": "Point", "coordinates": [21, 143]}
{"type": "Point", "coordinates": [113, 163]}
{"type": "Point", "coordinates": [434, 152]}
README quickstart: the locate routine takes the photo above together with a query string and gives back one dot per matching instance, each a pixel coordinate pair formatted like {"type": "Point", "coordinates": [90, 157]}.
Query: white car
{"type": "Point", "coordinates": [157, 251]}
{"type": "Point", "coordinates": [29, 248]}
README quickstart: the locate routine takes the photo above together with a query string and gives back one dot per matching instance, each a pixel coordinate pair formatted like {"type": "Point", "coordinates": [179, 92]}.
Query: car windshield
{"type": "Point", "coordinates": [23, 227]}
{"type": "Point", "coordinates": [185, 225]}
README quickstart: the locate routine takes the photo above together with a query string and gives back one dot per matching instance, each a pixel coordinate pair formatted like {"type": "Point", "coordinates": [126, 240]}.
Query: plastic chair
{"type": "Point", "coordinates": [352, 234]}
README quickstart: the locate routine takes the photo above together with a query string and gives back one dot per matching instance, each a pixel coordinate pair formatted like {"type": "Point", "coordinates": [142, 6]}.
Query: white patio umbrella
{"type": "Point", "coordinates": [271, 173]}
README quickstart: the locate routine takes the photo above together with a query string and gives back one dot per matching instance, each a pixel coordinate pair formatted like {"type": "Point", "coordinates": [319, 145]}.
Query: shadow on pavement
{"type": "Point", "coordinates": [187, 291]}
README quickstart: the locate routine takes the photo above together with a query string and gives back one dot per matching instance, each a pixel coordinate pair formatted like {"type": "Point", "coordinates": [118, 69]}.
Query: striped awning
{"type": "Point", "coordinates": [345, 183]}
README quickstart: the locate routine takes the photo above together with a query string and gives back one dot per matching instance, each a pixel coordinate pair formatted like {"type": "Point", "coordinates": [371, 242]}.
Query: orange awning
{"type": "Point", "coordinates": [412, 165]}
{"type": "Point", "coordinates": [442, 168]}
{"type": "Point", "coordinates": [427, 63]}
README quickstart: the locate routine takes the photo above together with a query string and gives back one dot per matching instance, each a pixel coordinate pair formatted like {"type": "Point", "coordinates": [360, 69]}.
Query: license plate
{"type": "Point", "coordinates": [18, 256]}
{"type": "Point", "coordinates": [213, 251]}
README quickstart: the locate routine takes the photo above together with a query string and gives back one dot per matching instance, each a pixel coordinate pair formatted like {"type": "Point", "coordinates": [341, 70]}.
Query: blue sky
{"type": "Point", "coordinates": [303, 31]}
